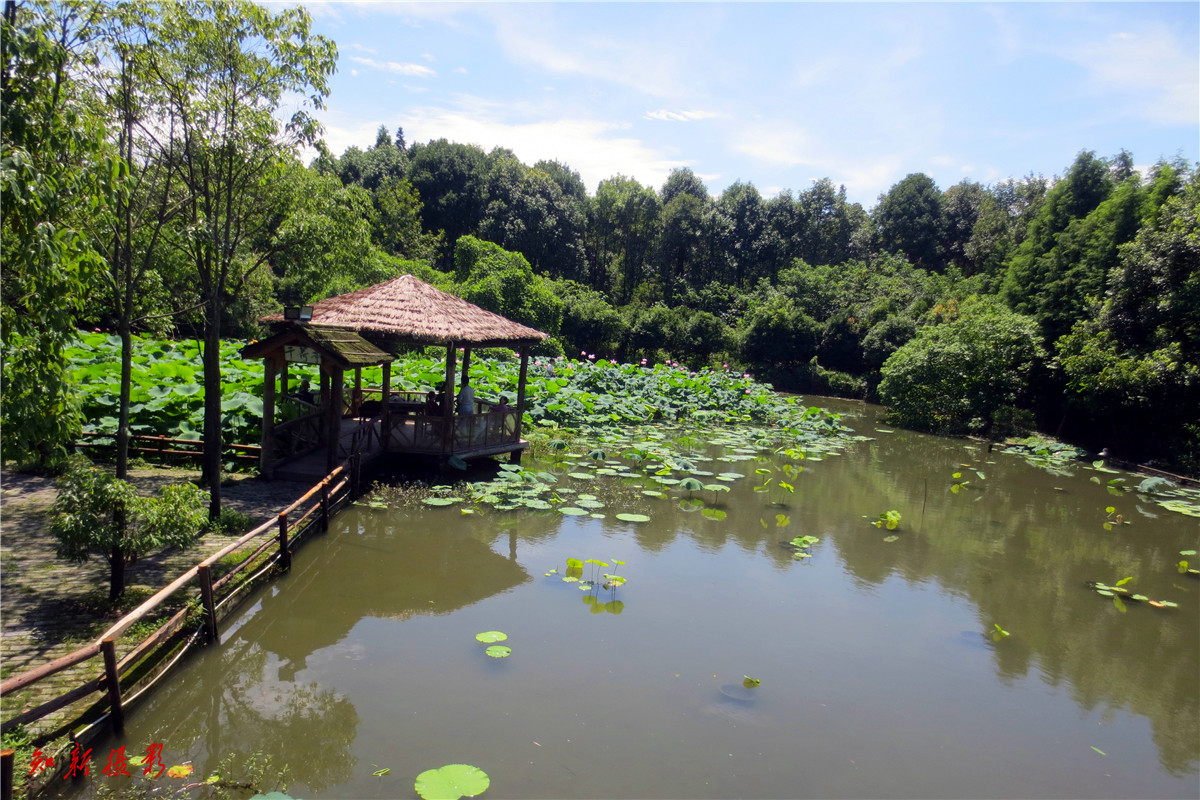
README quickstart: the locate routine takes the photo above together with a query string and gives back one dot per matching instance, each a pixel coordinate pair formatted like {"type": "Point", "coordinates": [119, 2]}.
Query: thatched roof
{"type": "Point", "coordinates": [410, 309]}
{"type": "Point", "coordinates": [345, 348]}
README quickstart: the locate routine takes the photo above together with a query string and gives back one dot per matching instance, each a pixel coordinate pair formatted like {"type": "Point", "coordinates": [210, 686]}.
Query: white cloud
{"type": "Point", "coordinates": [363, 48]}
{"type": "Point", "coordinates": [1151, 65]}
{"type": "Point", "coordinates": [776, 143]}
{"type": "Point", "coordinates": [596, 149]}
{"type": "Point", "coordinates": [401, 68]}
{"type": "Point", "coordinates": [679, 116]}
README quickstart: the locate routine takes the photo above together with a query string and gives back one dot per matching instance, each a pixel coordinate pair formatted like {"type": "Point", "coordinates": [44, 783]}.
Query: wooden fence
{"type": "Point", "coordinates": [164, 448]}
{"type": "Point", "coordinates": [124, 678]}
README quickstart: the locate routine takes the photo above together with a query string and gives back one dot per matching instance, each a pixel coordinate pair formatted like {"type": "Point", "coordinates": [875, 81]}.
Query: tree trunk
{"type": "Point", "coordinates": [124, 402]}
{"type": "Point", "coordinates": [212, 407]}
{"type": "Point", "coordinates": [116, 573]}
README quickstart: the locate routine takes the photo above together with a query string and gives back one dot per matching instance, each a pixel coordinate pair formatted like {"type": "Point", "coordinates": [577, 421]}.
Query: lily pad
{"type": "Point", "coordinates": [499, 651]}
{"type": "Point", "coordinates": [452, 782]}
{"type": "Point", "coordinates": [633, 517]}
{"type": "Point", "coordinates": [491, 636]}
{"type": "Point", "coordinates": [582, 476]}
{"type": "Point", "coordinates": [572, 511]}
{"type": "Point", "coordinates": [441, 501]}
{"type": "Point", "coordinates": [714, 514]}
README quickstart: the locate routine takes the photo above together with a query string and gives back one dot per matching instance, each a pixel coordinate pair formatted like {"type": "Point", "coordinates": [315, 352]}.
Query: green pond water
{"type": "Point", "coordinates": [879, 676]}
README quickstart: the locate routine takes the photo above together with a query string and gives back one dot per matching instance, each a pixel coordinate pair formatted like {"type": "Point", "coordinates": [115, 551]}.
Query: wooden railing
{"type": "Point", "coordinates": [297, 436]}
{"type": "Point", "coordinates": [211, 600]}
{"type": "Point", "coordinates": [165, 448]}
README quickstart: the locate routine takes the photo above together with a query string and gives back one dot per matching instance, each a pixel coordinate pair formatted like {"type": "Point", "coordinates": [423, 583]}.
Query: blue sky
{"type": "Point", "coordinates": [774, 94]}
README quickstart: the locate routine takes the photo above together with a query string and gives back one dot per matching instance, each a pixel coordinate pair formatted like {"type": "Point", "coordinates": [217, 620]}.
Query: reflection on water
{"type": "Point", "coordinates": [878, 679]}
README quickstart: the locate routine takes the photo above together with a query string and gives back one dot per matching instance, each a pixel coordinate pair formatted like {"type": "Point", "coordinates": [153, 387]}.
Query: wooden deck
{"type": "Point", "coordinates": [474, 436]}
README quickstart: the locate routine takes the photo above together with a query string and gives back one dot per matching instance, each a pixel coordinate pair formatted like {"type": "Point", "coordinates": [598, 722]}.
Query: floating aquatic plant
{"type": "Point", "coordinates": [888, 519]}
{"type": "Point", "coordinates": [452, 782]}
{"type": "Point", "coordinates": [489, 637]}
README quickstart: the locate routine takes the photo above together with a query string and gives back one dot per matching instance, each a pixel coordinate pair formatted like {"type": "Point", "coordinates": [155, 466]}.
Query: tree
{"type": "Point", "coordinates": [322, 243]}
{"type": "Point", "coordinates": [622, 225]}
{"type": "Point", "coordinates": [962, 205]}
{"type": "Point", "coordinates": [528, 212]}
{"type": "Point", "coordinates": [52, 173]}
{"type": "Point", "coordinates": [969, 373]}
{"type": "Point", "coordinates": [128, 231]}
{"type": "Point", "coordinates": [909, 220]}
{"type": "Point", "coordinates": [744, 242]}
{"type": "Point", "coordinates": [452, 181]}
{"type": "Point", "coordinates": [503, 282]}
{"type": "Point", "coordinates": [97, 513]}
{"type": "Point", "coordinates": [780, 336]}
{"type": "Point", "coordinates": [235, 63]}
{"type": "Point", "coordinates": [683, 181]}
{"type": "Point", "coordinates": [680, 242]}
{"type": "Point", "coordinates": [589, 322]}
{"type": "Point", "coordinates": [827, 225]}
{"type": "Point", "coordinates": [397, 227]}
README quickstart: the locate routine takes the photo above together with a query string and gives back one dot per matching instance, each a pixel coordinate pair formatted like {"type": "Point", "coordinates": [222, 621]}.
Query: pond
{"type": "Point", "coordinates": [884, 667]}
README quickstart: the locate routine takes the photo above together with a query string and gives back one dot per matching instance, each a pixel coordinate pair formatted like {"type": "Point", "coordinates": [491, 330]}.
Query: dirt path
{"type": "Point", "coordinates": [47, 605]}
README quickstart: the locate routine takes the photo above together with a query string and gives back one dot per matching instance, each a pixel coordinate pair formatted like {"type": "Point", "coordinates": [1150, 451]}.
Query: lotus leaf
{"type": "Point", "coordinates": [452, 782]}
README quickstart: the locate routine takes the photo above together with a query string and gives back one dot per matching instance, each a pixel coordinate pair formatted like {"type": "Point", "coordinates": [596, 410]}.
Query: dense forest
{"type": "Point", "coordinates": [149, 185]}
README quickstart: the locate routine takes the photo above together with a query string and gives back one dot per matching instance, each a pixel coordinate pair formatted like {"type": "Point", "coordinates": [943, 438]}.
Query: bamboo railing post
{"type": "Point", "coordinates": [204, 573]}
{"type": "Point", "coordinates": [109, 648]}
{"type": "Point", "coordinates": [355, 475]}
{"type": "Point", "coordinates": [6, 774]}
{"type": "Point", "coordinates": [285, 554]}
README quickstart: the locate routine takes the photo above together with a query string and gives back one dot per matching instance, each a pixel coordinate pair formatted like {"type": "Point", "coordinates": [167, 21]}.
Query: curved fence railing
{"type": "Point", "coordinates": [128, 669]}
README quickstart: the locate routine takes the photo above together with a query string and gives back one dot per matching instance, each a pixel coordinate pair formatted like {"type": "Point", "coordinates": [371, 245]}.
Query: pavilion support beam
{"type": "Point", "coordinates": [448, 401]}
{"type": "Point", "coordinates": [524, 351]}
{"type": "Point", "coordinates": [333, 430]}
{"type": "Point", "coordinates": [356, 399]}
{"type": "Point", "coordinates": [466, 366]}
{"type": "Point", "coordinates": [387, 404]}
{"type": "Point", "coordinates": [266, 463]}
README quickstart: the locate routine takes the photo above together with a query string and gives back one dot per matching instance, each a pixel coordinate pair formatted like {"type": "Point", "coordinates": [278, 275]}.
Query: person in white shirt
{"type": "Point", "coordinates": [466, 398]}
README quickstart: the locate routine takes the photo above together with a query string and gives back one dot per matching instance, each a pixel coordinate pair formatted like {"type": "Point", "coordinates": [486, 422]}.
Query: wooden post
{"type": "Point", "coordinates": [285, 554]}
{"type": "Point", "coordinates": [387, 405]}
{"type": "Point", "coordinates": [355, 475]}
{"type": "Point", "coordinates": [357, 397]}
{"type": "Point", "coordinates": [6, 774]}
{"type": "Point", "coordinates": [325, 504]}
{"type": "Point", "coordinates": [524, 351]}
{"type": "Point", "coordinates": [466, 367]}
{"type": "Point", "coordinates": [109, 648]}
{"type": "Point", "coordinates": [266, 460]}
{"type": "Point", "coordinates": [334, 420]}
{"type": "Point", "coordinates": [204, 573]}
{"type": "Point", "coordinates": [448, 402]}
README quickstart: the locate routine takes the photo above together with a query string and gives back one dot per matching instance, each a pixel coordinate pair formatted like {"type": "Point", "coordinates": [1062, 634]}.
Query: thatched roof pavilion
{"type": "Point", "coordinates": [410, 311]}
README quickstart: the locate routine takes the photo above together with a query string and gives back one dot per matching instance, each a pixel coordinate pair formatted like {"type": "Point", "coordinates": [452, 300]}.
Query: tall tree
{"type": "Point", "coordinates": [452, 181]}
{"type": "Point", "coordinates": [744, 243]}
{"type": "Point", "coordinates": [909, 221]}
{"type": "Point", "coordinates": [52, 173]}
{"type": "Point", "coordinates": [223, 85]}
{"type": "Point", "coordinates": [623, 218]}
